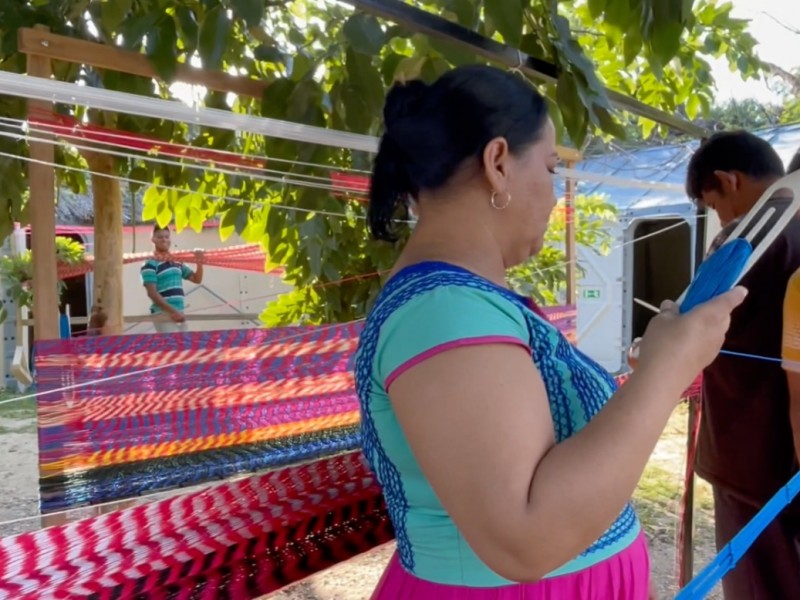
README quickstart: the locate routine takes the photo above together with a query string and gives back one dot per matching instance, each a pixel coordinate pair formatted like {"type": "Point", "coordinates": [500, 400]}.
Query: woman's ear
{"type": "Point", "coordinates": [496, 159]}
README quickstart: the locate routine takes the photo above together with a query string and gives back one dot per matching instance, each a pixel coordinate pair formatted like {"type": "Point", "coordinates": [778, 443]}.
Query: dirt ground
{"type": "Point", "coordinates": [657, 500]}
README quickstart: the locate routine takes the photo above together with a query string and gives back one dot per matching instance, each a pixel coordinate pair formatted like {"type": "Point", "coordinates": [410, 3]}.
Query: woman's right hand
{"type": "Point", "coordinates": [681, 346]}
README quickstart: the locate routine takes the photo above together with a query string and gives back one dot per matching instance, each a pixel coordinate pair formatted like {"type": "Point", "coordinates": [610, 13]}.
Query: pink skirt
{"type": "Point", "coordinates": [625, 576]}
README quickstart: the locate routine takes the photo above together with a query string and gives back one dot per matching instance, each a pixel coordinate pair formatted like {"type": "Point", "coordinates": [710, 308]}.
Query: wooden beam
{"type": "Point", "coordinates": [43, 218]}
{"type": "Point", "coordinates": [153, 318]}
{"type": "Point", "coordinates": [571, 246]}
{"type": "Point", "coordinates": [108, 239]}
{"type": "Point", "coordinates": [569, 155]}
{"type": "Point", "coordinates": [44, 44]}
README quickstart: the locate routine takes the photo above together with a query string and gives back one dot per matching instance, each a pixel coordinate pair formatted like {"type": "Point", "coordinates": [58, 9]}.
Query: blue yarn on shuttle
{"type": "Point", "coordinates": [718, 273]}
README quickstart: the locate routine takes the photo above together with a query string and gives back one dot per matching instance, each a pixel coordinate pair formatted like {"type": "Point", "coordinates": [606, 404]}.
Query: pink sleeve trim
{"type": "Point", "coordinates": [474, 341]}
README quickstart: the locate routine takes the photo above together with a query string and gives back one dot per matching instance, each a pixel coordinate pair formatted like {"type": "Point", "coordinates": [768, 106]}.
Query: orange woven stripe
{"type": "Point", "coordinates": [152, 359]}
{"type": "Point", "coordinates": [126, 405]}
{"type": "Point", "coordinates": [153, 451]}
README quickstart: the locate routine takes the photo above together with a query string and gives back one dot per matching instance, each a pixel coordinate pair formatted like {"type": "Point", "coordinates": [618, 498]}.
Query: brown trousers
{"type": "Point", "coordinates": [770, 569]}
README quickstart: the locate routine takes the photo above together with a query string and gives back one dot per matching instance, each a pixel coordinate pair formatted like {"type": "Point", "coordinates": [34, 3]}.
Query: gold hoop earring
{"type": "Point", "coordinates": [494, 204]}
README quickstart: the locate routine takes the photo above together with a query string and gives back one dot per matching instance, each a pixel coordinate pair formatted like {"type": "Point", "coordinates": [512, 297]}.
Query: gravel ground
{"type": "Point", "coordinates": [355, 579]}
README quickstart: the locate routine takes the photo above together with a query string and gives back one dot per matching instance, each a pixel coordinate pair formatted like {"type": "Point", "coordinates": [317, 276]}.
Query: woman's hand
{"type": "Point", "coordinates": [680, 346]}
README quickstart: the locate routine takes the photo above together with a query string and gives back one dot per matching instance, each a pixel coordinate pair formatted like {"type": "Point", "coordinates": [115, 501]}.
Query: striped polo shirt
{"type": "Point", "coordinates": [168, 278]}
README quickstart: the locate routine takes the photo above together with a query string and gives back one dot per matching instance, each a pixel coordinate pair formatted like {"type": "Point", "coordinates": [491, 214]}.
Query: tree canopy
{"type": "Point", "coordinates": [328, 65]}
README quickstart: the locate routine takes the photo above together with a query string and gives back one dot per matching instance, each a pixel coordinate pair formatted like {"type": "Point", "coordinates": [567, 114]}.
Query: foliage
{"type": "Point", "coordinates": [16, 271]}
{"type": "Point", "coordinates": [329, 66]}
{"type": "Point", "coordinates": [544, 277]}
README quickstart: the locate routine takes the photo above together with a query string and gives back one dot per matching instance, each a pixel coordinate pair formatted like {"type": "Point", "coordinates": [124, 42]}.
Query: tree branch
{"type": "Point", "coordinates": [792, 80]}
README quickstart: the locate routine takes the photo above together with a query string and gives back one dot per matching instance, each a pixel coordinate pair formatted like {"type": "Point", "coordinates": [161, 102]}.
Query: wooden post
{"type": "Point", "coordinates": [686, 566]}
{"type": "Point", "coordinates": [43, 218]}
{"type": "Point", "coordinates": [108, 240]}
{"type": "Point", "coordinates": [571, 251]}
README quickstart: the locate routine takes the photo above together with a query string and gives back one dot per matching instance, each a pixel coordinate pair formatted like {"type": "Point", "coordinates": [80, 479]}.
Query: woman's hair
{"type": "Point", "coordinates": [430, 130]}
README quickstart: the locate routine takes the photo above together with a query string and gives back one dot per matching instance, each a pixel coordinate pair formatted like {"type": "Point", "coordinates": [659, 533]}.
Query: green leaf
{"type": "Point", "coordinates": [596, 8]}
{"type": "Point", "coordinates": [467, 12]}
{"type": "Point", "coordinates": [227, 225]}
{"type": "Point", "coordinates": [276, 98]}
{"type": "Point", "coordinates": [572, 109]}
{"type": "Point", "coordinates": [507, 18]}
{"type": "Point", "coordinates": [162, 49]}
{"type": "Point", "coordinates": [269, 53]}
{"type": "Point", "coordinates": [214, 32]}
{"type": "Point", "coordinates": [454, 53]}
{"type": "Point", "coordinates": [251, 11]}
{"type": "Point", "coordinates": [693, 106]}
{"type": "Point", "coordinates": [631, 46]}
{"type": "Point", "coordinates": [187, 27]}
{"type": "Point", "coordinates": [606, 122]}
{"type": "Point", "coordinates": [364, 33]}
{"type": "Point", "coordinates": [113, 13]}
{"type": "Point", "coordinates": [196, 219]}
{"type": "Point", "coordinates": [150, 202]}
{"type": "Point", "coordinates": [136, 27]}
{"type": "Point", "coordinates": [664, 24]}
{"type": "Point", "coordinates": [365, 79]}
{"type": "Point", "coordinates": [302, 65]}
{"type": "Point", "coordinates": [164, 215]}
{"type": "Point", "coordinates": [409, 68]}
{"type": "Point", "coordinates": [622, 13]}
{"type": "Point", "coordinates": [305, 96]}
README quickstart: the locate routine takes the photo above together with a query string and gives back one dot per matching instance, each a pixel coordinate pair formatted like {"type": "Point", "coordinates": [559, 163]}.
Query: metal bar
{"type": "Point", "coordinates": [686, 567]}
{"type": "Point", "coordinates": [438, 27]}
{"type": "Point", "coordinates": [570, 216]}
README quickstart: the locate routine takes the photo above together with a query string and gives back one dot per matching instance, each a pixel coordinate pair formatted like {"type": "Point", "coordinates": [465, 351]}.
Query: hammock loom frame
{"type": "Point", "coordinates": [41, 47]}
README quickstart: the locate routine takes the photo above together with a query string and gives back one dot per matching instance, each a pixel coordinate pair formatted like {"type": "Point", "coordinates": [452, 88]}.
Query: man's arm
{"type": "Point", "coordinates": [197, 275]}
{"type": "Point", "coordinates": [790, 353]}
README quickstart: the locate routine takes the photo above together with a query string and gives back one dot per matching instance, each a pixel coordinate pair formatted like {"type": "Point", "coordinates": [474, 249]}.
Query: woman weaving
{"type": "Point", "coordinates": [507, 457]}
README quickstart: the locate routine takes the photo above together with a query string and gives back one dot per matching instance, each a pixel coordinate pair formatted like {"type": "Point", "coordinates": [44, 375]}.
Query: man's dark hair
{"type": "Point", "coordinates": [795, 164]}
{"type": "Point", "coordinates": [731, 151]}
{"type": "Point", "coordinates": [157, 228]}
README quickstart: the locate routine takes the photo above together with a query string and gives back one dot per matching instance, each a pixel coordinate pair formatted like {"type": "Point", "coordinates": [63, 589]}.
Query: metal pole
{"type": "Point", "coordinates": [435, 26]}
{"type": "Point", "coordinates": [686, 567]}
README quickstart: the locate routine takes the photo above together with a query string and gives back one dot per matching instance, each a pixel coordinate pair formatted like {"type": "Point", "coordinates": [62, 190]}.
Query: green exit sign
{"type": "Point", "coordinates": [591, 294]}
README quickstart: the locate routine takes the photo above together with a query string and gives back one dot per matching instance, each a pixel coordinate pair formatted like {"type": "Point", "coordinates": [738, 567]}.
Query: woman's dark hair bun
{"type": "Point", "coordinates": [403, 100]}
{"type": "Point", "coordinates": [431, 130]}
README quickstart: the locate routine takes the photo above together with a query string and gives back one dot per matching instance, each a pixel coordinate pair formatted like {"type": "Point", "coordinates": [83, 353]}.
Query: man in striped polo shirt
{"type": "Point", "coordinates": [163, 279]}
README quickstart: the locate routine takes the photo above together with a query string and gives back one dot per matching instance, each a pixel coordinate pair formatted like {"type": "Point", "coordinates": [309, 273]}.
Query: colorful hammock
{"type": "Point", "coordinates": [157, 412]}
{"type": "Point", "coordinates": [154, 412]}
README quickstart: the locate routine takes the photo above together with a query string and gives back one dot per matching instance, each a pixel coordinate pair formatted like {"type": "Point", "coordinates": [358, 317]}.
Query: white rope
{"type": "Point", "coordinates": [282, 177]}
{"type": "Point", "coordinates": [58, 91]}
{"type": "Point", "coordinates": [185, 191]}
{"type": "Point", "coordinates": [118, 138]}
{"type": "Point", "coordinates": [577, 175]}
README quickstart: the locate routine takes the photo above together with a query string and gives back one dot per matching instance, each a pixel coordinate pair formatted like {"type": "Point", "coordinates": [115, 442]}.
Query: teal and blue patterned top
{"type": "Point", "coordinates": [168, 278]}
{"type": "Point", "coordinates": [423, 310]}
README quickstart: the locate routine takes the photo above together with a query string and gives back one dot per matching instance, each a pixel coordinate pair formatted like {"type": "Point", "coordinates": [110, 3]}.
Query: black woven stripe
{"type": "Point", "coordinates": [116, 482]}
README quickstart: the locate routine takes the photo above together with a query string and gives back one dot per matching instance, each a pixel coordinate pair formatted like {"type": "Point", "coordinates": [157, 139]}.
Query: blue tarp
{"type": "Point", "coordinates": [663, 164]}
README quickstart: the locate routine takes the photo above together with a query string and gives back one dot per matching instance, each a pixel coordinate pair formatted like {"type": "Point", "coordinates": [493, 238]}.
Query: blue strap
{"type": "Point", "coordinates": [718, 273]}
{"type": "Point", "coordinates": [733, 551]}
